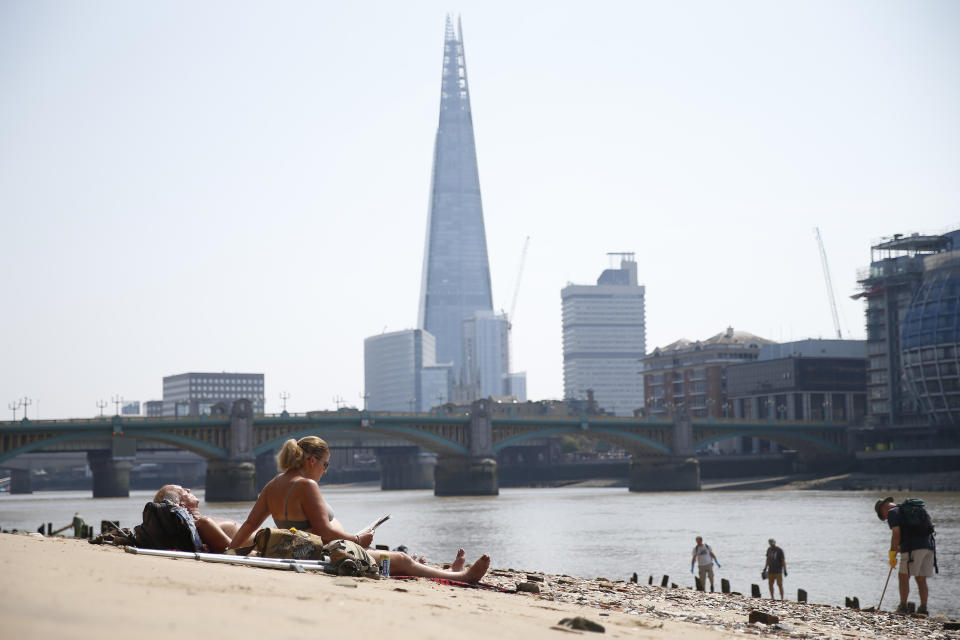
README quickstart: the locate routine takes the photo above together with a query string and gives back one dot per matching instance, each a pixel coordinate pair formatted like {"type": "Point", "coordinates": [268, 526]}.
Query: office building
{"type": "Point", "coordinates": [692, 374]}
{"type": "Point", "coordinates": [153, 408]}
{"type": "Point", "coordinates": [193, 394]}
{"type": "Point", "coordinates": [930, 338]}
{"type": "Point", "coordinates": [604, 338]}
{"type": "Point", "coordinates": [486, 356]}
{"type": "Point", "coordinates": [130, 408]}
{"type": "Point", "coordinates": [456, 273]}
{"type": "Point", "coordinates": [471, 343]}
{"type": "Point", "coordinates": [400, 372]}
{"type": "Point", "coordinates": [894, 277]}
{"type": "Point", "coordinates": [811, 380]}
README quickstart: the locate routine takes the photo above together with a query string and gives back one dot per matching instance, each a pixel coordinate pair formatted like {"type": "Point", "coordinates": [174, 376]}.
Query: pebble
{"type": "Point", "coordinates": [726, 612]}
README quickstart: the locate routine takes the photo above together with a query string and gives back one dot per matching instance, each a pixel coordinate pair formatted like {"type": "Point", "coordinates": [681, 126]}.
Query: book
{"type": "Point", "coordinates": [373, 526]}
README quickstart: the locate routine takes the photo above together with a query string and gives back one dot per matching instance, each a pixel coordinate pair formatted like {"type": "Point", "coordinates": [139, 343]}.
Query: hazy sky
{"type": "Point", "coordinates": [234, 186]}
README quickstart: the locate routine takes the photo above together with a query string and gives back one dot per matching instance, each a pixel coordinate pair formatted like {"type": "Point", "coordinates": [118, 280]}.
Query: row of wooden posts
{"type": "Point", "coordinates": [852, 603]}
{"type": "Point", "coordinates": [80, 528]}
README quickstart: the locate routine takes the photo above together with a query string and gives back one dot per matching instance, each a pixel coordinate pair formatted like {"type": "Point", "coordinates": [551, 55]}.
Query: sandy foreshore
{"type": "Point", "coordinates": [61, 587]}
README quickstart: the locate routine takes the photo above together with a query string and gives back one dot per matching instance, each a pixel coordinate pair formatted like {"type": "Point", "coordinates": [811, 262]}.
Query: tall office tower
{"type": "Point", "coordinates": [400, 373]}
{"type": "Point", "coordinates": [486, 356]}
{"type": "Point", "coordinates": [604, 338]}
{"type": "Point", "coordinates": [895, 275]}
{"type": "Point", "coordinates": [456, 273]}
{"type": "Point", "coordinates": [193, 394]}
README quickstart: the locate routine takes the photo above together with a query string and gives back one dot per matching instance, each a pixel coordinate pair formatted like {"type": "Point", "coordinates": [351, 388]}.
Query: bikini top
{"type": "Point", "coordinates": [297, 524]}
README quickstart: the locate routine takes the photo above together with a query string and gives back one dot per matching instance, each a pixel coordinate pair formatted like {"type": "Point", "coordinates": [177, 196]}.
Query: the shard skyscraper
{"type": "Point", "coordinates": [456, 274]}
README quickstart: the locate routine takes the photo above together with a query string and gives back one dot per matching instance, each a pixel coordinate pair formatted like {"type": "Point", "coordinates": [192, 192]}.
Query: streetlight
{"type": "Point", "coordinates": [283, 398]}
{"type": "Point", "coordinates": [25, 402]}
{"type": "Point", "coordinates": [726, 409]}
{"type": "Point", "coordinates": [13, 407]}
{"type": "Point", "coordinates": [117, 399]}
{"type": "Point", "coordinates": [100, 405]}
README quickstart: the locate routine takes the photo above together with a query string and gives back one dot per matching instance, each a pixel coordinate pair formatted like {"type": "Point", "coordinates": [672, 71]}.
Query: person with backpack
{"type": "Point", "coordinates": [913, 537]}
{"type": "Point", "coordinates": [775, 567]}
{"type": "Point", "coordinates": [704, 557]}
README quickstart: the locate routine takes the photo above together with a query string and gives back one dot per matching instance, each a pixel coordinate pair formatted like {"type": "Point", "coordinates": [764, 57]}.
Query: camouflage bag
{"type": "Point", "coordinates": [288, 543]}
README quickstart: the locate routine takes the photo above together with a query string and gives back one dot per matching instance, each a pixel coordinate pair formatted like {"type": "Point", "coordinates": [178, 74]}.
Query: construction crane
{"type": "Point", "coordinates": [826, 276]}
{"type": "Point", "coordinates": [516, 288]}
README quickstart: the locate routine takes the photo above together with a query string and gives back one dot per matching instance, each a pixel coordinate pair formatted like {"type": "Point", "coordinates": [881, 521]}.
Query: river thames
{"type": "Point", "coordinates": [834, 544]}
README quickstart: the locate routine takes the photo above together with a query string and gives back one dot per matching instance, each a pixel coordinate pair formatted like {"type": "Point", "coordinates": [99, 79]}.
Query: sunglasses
{"type": "Point", "coordinates": [325, 463]}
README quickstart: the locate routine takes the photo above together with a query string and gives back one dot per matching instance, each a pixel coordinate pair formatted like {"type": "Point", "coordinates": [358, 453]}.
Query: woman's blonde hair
{"type": "Point", "coordinates": [295, 452]}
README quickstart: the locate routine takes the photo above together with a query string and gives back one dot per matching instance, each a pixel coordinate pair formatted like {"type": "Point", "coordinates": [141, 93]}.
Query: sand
{"type": "Point", "coordinates": [62, 587]}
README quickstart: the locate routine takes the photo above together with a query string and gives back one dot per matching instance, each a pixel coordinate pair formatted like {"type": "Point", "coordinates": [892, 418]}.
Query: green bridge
{"type": "Point", "coordinates": [465, 444]}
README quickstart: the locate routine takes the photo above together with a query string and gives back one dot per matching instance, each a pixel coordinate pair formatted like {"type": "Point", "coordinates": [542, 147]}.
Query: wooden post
{"type": "Point", "coordinates": [634, 578]}
{"type": "Point", "coordinates": [724, 585]}
{"type": "Point", "coordinates": [755, 591]}
{"type": "Point", "coordinates": [801, 595]}
{"type": "Point", "coordinates": [698, 582]}
{"type": "Point", "coordinates": [665, 581]}
{"type": "Point", "coordinates": [650, 581]}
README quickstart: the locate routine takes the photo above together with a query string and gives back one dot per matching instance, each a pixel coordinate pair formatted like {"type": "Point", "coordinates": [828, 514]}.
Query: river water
{"type": "Point", "coordinates": [834, 544]}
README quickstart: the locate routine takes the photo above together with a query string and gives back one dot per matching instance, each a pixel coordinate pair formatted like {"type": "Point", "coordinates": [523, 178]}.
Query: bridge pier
{"type": "Point", "coordinates": [111, 476]}
{"type": "Point", "coordinates": [20, 481]}
{"type": "Point", "coordinates": [465, 476]}
{"type": "Point", "coordinates": [266, 468]}
{"type": "Point", "coordinates": [231, 481]}
{"type": "Point", "coordinates": [406, 470]}
{"type": "Point", "coordinates": [664, 474]}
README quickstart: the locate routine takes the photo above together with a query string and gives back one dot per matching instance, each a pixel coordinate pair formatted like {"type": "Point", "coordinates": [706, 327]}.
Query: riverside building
{"type": "Point", "coordinates": [693, 374]}
{"type": "Point", "coordinates": [193, 394]}
{"type": "Point", "coordinates": [401, 374]}
{"type": "Point", "coordinates": [889, 286]}
{"type": "Point", "coordinates": [604, 338]}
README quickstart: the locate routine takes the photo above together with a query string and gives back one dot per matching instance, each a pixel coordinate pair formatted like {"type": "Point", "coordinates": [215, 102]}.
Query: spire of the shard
{"type": "Point", "coordinates": [456, 273]}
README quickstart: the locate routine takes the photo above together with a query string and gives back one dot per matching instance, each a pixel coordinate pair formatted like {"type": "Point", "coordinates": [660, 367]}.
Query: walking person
{"type": "Point", "coordinates": [776, 567]}
{"type": "Point", "coordinates": [912, 535]}
{"type": "Point", "coordinates": [704, 558]}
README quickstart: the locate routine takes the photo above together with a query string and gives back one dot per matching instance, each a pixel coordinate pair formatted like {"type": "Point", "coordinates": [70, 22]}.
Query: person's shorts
{"type": "Point", "coordinates": [774, 576]}
{"type": "Point", "coordinates": [918, 562]}
{"type": "Point", "coordinates": [706, 571]}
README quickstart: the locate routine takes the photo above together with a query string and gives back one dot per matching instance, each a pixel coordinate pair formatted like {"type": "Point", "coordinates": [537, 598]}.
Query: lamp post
{"type": "Point", "coordinates": [13, 406]}
{"type": "Point", "coordinates": [710, 409]}
{"type": "Point", "coordinates": [25, 402]}
{"type": "Point", "coordinates": [781, 412]}
{"type": "Point", "coordinates": [726, 409]}
{"type": "Point", "coordinates": [769, 409]}
{"type": "Point", "coordinates": [117, 399]}
{"type": "Point", "coordinates": [100, 405]}
{"type": "Point", "coordinates": [283, 398]}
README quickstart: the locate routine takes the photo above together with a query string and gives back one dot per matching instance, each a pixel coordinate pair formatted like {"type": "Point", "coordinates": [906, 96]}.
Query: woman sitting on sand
{"type": "Point", "coordinates": [293, 499]}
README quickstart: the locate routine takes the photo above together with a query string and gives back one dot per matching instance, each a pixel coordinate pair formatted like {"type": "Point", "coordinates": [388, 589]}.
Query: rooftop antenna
{"type": "Point", "coordinates": [826, 277]}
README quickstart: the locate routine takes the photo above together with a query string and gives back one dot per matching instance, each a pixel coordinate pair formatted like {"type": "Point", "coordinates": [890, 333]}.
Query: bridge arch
{"type": "Point", "coordinates": [429, 441]}
{"type": "Point", "coordinates": [816, 443]}
{"type": "Point", "coordinates": [633, 442]}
